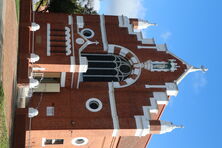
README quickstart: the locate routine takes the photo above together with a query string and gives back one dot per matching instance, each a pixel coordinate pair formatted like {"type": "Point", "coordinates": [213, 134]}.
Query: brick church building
{"type": "Point", "coordinates": [90, 81]}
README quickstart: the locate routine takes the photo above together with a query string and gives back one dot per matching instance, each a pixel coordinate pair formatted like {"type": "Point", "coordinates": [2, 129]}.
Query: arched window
{"type": "Point", "coordinates": [106, 68]}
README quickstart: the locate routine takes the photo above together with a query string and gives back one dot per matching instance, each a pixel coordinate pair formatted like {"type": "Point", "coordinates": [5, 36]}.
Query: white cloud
{"type": "Point", "coordinates": [199, 81]}
{"type": "Point", "coordinates": [130, 8]}
{"type": "Point", "coordinates": [92, 3]}
{"type": "Point", "coordinates": [166, 35]}
{"type": "Point", "coordinates": [96, 5]}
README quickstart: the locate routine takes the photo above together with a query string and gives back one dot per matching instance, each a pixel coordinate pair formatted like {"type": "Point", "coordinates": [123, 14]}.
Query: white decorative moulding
{"type": "Point", "coordinates": [70, 20]}
{"type": "Point", "coordinates": [161, 97]}
{"type": "Point", "coordinates": [83, 64]}
{"type": "Point", "coordinates": [80, 41]}
{"type": "Point", "coordinates": [48, 39]}
{"type": "Point", "coordinates": [161, 47]}
{"type": "Point", "coordinates": [80, 21]}
{"type": "Point", "coordinates": [171, 89]}
{"type": "Point", "coordinates": [103, 32]}
{"type": "Point", "coordinates": [148, 41]}
{"type": "Point", "coordinates": [68, 41]}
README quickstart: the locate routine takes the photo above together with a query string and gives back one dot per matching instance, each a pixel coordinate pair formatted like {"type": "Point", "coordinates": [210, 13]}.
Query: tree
{"type": "Point", "coordinates": [70, 7]}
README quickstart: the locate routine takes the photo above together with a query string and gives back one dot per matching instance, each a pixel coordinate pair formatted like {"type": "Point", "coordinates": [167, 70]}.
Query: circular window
{"type": "Point", "coordinates": [94, 105]}
{"type": "Point", "coordinates": [88, 33]}
{"type": "Point", "coordinates": [79, 141]}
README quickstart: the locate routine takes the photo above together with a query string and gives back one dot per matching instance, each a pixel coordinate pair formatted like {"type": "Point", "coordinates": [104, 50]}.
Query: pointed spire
{"type": "Point", "coordinates": [142, 24]}
{"type": "Point", "coordinates": [168, 127]}
{"type": "Point", "coordinates": [179, 126]}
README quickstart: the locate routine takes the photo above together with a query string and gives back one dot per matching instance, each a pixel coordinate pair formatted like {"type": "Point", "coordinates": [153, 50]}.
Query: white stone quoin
{"type": "Point", "coordinates": [171, 89]}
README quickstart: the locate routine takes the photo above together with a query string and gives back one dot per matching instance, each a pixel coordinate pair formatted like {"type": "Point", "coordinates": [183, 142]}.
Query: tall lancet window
{"type": "Point", "coordinates": [161, 65]}
{"type": "Point", "coordinates": [171, 66]}
{"type": "Point", "coordinates": [106, 68]}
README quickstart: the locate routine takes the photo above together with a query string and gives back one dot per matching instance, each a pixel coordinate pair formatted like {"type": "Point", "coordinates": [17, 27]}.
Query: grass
{"type": "Point", "coordinates": [17, 4]}
{"type": "Point", "coordinates": [4, 141]}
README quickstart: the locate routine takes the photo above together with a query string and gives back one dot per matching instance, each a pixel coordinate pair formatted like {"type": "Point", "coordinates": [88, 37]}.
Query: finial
{"type": "Point", "coordinates": [179, 126]}
{"type": "Point", "coordinates": [153, 24]}
{"type": "Point", "coordinates": [203, 68]}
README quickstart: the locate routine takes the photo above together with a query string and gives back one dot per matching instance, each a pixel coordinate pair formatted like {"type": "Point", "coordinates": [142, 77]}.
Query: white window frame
{"type": "Point", "coordinates": [50, 111]}
{"type": "Point", "coordinates": [83, 138]}
{"type": "Point", "coordinates": [88, 29]}
{"type": "Point", "coordinates": [53, 143]}
{"type": "Point", "coordinates": [100, 105]}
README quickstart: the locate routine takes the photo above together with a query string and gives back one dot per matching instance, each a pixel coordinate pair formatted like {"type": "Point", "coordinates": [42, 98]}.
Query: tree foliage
{"type": "Point", "coordinates": [70, 7]}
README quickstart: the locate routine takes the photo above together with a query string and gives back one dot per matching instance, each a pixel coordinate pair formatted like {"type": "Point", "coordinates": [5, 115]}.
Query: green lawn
{"type": "Point", "coordinates": [4, 142]}
{"type": "Point", "coordinates": [17, 3]}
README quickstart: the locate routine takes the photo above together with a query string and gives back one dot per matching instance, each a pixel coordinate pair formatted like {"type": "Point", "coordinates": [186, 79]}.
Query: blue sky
{"type": "Point", "coordinates": [192, 31]}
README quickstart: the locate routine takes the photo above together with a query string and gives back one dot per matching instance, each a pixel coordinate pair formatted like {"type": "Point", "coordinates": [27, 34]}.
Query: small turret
{"type": "Point", "coordinates": [162, 127]}
{"type": "Point", "coordinates": [168, 127]}
{"type": "Point", "coordinates": [141, 24]}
